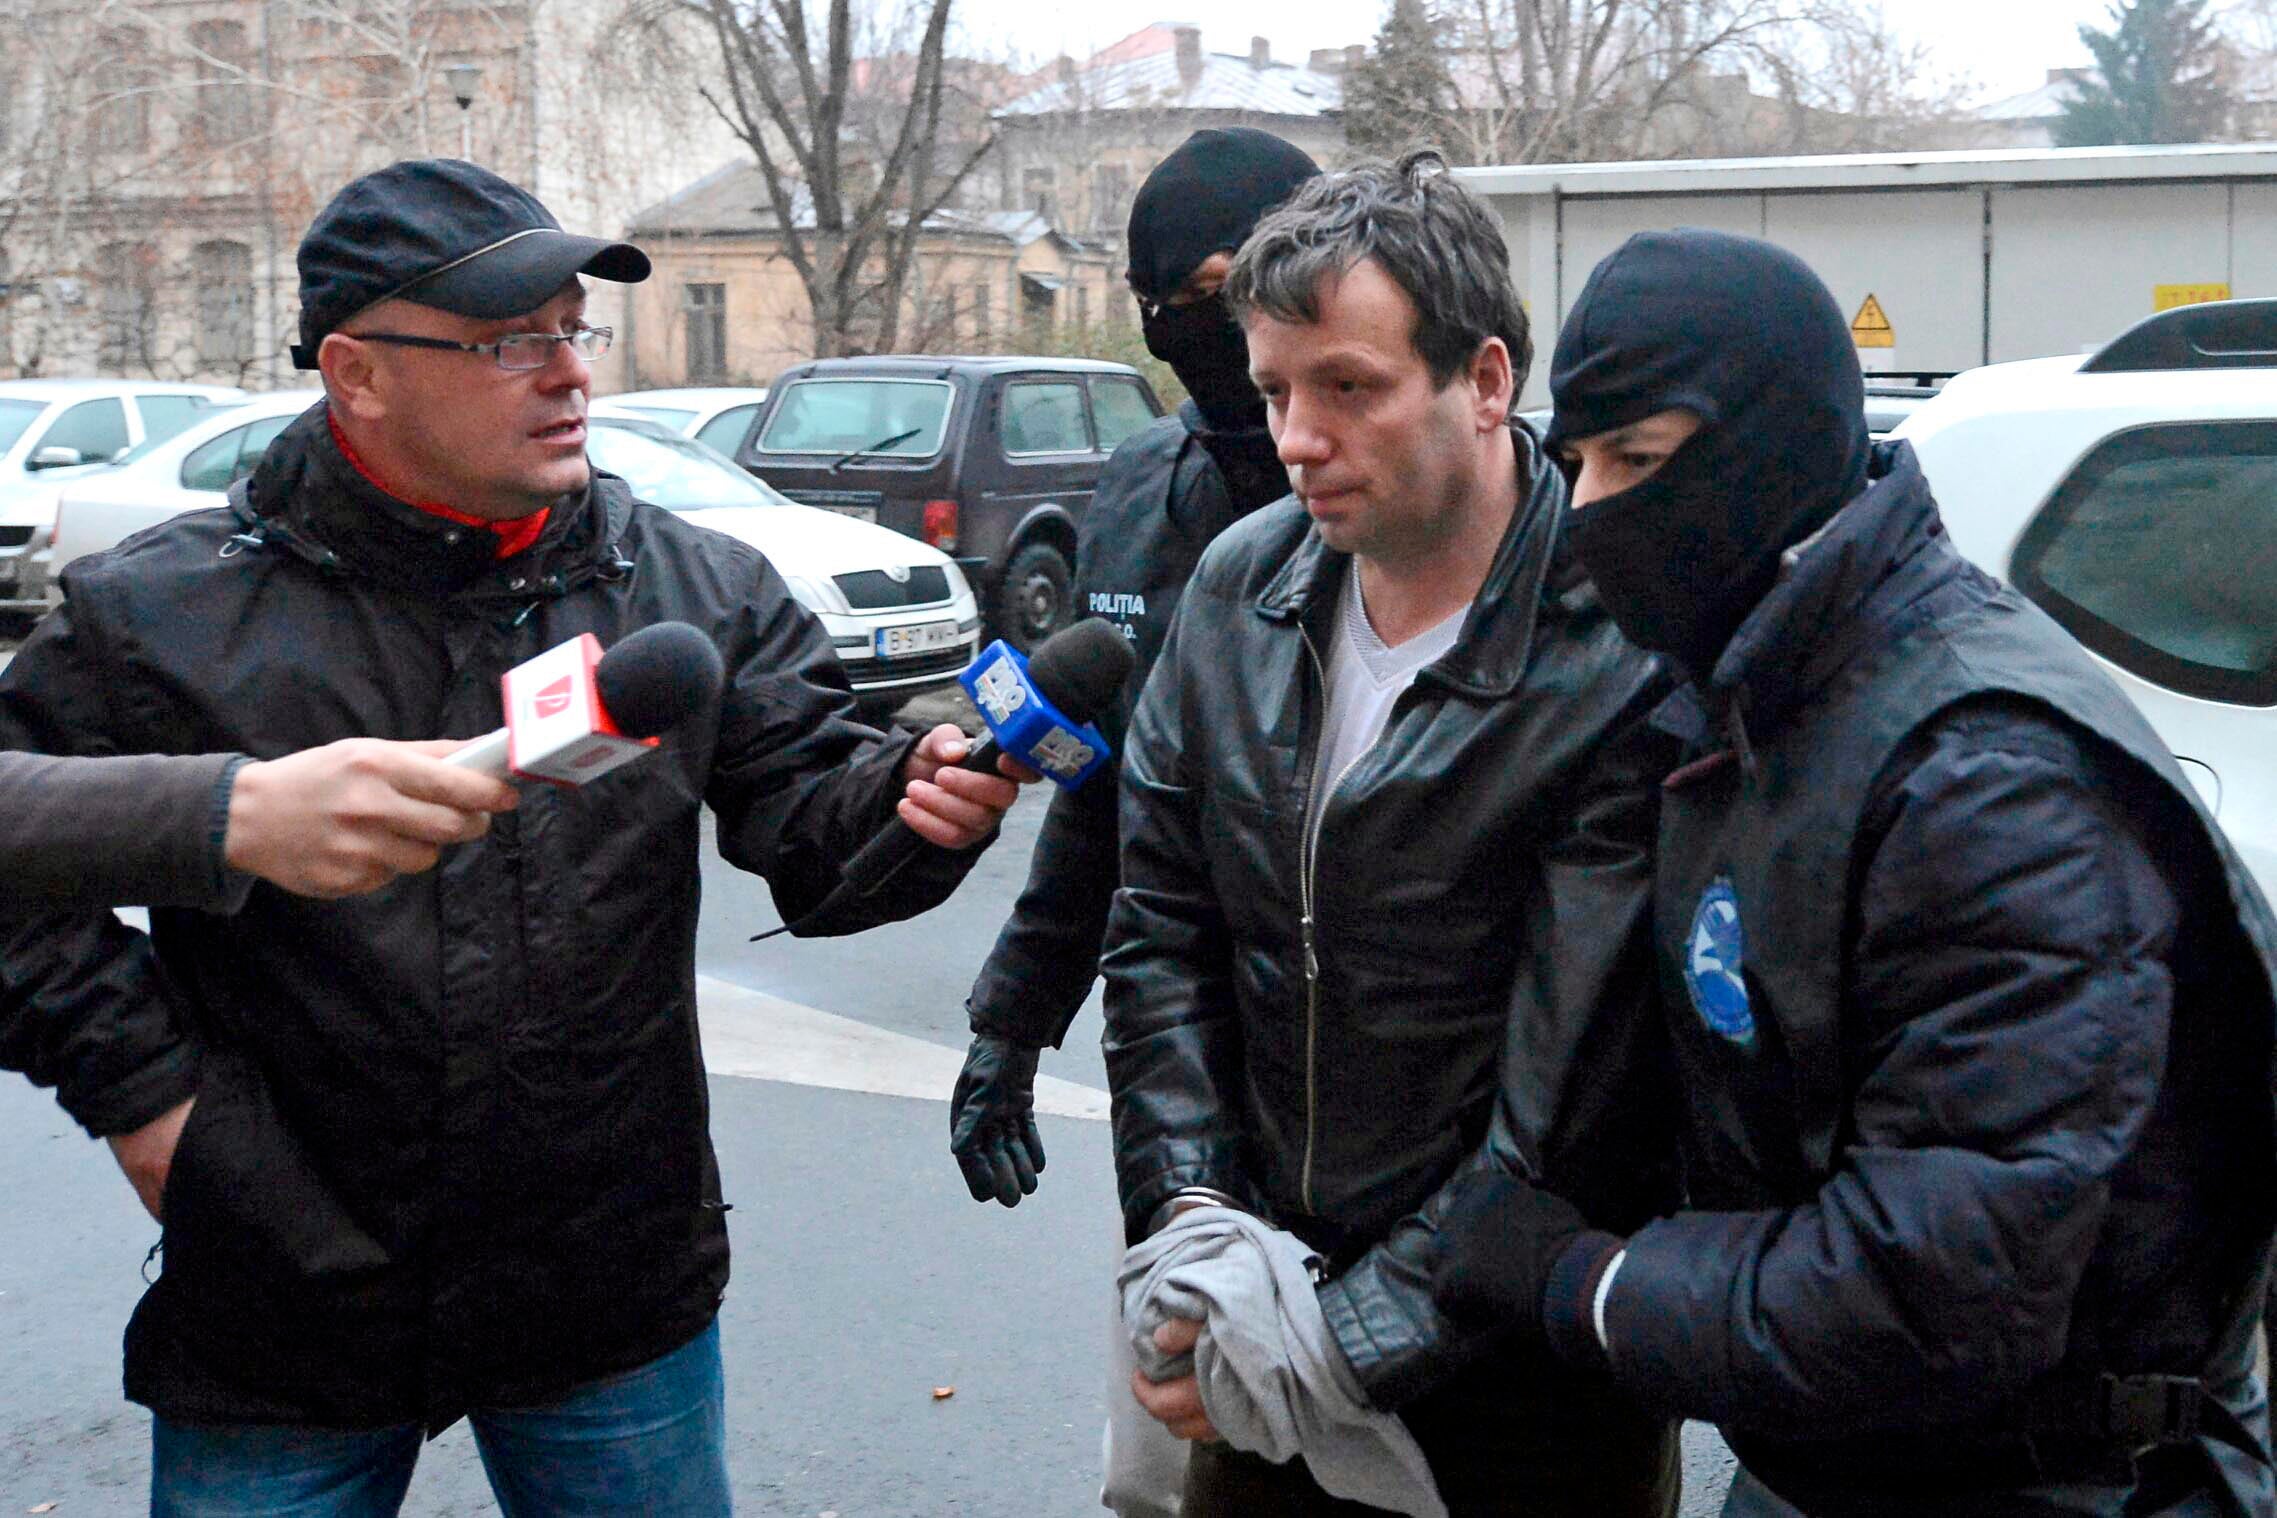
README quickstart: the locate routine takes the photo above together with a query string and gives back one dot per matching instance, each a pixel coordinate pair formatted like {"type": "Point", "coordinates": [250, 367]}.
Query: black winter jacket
{"type": "Point", "coordinates": [450, 1144]}
{"type": "Point", "coordinates": [1991, 1116]}
{"type": "Point", "coordinates": [1460, 977]}
{"type": "Point", "coordinates": [1162, 499]}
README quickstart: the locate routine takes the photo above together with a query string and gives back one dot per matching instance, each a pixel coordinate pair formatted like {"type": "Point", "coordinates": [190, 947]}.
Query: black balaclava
{"type": "Point", "coordinates": [1744, 335]}
{"type": "Point", "coordinates": [1205, 198]}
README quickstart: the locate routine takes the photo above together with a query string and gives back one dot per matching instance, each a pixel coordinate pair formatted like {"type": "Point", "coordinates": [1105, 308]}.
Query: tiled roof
{"type": "Point", "coordinates": [732, 199]}
{"type": "Point", "coordinates": [1225, 83]}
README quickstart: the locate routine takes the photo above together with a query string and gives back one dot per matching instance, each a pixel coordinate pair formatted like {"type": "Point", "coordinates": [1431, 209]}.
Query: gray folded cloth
{"type": "Point", "coordinates": [1271, 1379]}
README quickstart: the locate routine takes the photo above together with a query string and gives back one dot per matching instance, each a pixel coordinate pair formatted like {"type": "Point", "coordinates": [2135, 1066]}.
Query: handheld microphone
{"type": "Point", "coordinates": [574, 712]}
{"type": "Point", "coordinates": [1038, 711]}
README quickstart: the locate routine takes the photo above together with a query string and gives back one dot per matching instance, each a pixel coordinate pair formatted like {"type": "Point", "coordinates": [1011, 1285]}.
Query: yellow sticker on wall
{"type": "Point", "coordinates": [2167, 297]}
{"type": "Point", "coordinates": [1871, 328]}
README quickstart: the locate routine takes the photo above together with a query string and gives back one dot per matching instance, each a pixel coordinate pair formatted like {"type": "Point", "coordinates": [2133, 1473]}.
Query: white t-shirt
{"type": "Point", "coordinates": [1364, 678]}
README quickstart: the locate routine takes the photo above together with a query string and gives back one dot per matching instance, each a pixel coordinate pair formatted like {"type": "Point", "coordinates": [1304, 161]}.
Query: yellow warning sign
{"type": "Point", "coordinates": [2167, 297]}
{"type": "Point", "coordinates": [1871, 328]}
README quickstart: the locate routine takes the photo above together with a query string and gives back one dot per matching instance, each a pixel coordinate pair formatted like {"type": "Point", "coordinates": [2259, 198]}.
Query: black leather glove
{"type": "Point", "coordinates": [992, 1120]}
{"type": "Point", "coordinates": [1502, 1239]}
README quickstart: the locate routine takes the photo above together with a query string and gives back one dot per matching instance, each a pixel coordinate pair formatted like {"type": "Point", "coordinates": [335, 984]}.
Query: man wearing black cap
{"type": "Point", "coordinates": [441, 1150]}
{"type": "Point", "coordinates": [1162, 498]}
{"type": "Point", "coordinates": [1971, 1003]}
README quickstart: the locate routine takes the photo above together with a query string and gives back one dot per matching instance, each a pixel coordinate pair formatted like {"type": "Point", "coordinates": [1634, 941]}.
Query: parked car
{"type": "Point", "coordinates": [56, 430]}
{"type": "Point", "coordinates": [165, 477]}
{"type": "Point", "coordinates": [900, 615]}
{"type": "Point", "coordinates": [990, 459]}
{"type": "Point", "coordinates": [719, 416]}
{"type": "Point", "coordinates": [1890, 399]}
{"type": "Point", "coordinates": [2133, 496]}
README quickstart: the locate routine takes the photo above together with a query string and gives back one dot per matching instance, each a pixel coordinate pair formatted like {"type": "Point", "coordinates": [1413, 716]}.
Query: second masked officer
{"type": "Point", "coordinates": [1969, 999]}
{"type": "Point", "coordinates": [1162, 498]}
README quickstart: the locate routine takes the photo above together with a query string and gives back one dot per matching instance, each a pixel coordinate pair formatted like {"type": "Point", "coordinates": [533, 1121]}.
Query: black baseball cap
{"type": "Point", "coordinates": [446, 234]}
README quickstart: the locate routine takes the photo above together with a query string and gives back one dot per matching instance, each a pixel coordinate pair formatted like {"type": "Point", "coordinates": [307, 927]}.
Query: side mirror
{"type": "Point", "coordinates": [56, 458]}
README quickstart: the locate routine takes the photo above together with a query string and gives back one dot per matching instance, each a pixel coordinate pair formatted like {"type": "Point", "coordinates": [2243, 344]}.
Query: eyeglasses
{"type": "Point", "coordinates": [524, 350]}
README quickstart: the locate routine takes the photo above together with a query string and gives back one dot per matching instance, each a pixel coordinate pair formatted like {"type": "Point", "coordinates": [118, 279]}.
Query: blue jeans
{"type": "Point", "coordinates": [652, 1440]}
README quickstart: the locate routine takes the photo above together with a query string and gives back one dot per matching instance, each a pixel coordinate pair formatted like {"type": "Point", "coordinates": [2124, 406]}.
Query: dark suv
{"type": "Point", "coordinates": [991, 460]}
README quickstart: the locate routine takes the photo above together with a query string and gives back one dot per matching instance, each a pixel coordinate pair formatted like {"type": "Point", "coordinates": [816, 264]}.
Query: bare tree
{"type": "Point", "coordinates": [844, 116]}
{"type": "Point", "coordinates": [1595, 80]}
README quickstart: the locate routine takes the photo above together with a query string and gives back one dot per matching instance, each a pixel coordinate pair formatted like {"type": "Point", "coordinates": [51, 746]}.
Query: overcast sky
{"type": "Point", "coordinates": [2003, 47]}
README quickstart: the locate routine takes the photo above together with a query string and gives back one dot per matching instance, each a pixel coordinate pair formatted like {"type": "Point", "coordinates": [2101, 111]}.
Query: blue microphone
{"type": "Point", "coordinates": [1025, 723]}
{"type": "Point", "coordinates": [1038, 710]}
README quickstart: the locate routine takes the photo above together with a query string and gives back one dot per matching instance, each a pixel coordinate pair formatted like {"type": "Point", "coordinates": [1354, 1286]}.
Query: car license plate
{"type": "Point", "coordinates": [858, 513]}
{"type": "Point", "coordinates": [923, 638]}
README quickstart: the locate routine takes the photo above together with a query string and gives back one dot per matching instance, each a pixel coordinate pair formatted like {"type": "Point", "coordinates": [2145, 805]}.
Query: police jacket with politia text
{"type": "Point", "coordinates": [1458, 974]}
{"type": "Point", "coordinates": [1161, 500]}
{"type": "Point", "coordinates": [450, 1142]}
{"type": "Point", "coordinates": [1972, 1006]}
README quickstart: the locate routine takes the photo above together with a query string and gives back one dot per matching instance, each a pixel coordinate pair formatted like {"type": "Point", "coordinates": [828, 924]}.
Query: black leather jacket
{"type": "Point", "coordinates": [1460, 976]}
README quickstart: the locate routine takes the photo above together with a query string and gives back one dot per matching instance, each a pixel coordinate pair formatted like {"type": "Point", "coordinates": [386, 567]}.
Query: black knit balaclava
{"type": "Point", "coordinates": [1745, 336]}
{"type": "Point", "coordinates": [1205, 198]}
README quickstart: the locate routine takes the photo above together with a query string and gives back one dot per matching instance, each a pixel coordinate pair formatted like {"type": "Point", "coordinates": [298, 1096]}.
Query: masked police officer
{"type": "Point", "coordinates": [1161, 499]}
{"type": "Point", "coordinates": [1971, 1001]}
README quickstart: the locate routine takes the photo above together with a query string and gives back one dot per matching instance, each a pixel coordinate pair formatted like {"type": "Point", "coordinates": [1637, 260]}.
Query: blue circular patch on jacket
{"type": "Point", "coordinates": [1714, 953]}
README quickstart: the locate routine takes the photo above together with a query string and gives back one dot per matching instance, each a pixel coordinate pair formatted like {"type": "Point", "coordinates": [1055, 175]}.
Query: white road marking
{"type": "Point", "coordinates": [751, 1033]}
{"type": "Point", "coordinates": [763, 1037]}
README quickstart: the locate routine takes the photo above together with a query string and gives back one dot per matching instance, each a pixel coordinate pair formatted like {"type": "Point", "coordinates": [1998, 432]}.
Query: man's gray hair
{"type": "Point", "coordinates": [1434, 238]}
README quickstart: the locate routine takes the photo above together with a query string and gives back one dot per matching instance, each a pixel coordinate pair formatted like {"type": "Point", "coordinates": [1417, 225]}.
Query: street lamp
{"type": "Point", "coordinates": [463, 78]}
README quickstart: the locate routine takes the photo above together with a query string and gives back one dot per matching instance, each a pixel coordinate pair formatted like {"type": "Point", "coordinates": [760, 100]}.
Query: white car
{"type": "Point", "coordinates": [719, 416]}
{"type": "Point", "coordinates": [56, 430]}
{"type": "Point", "coordinates": [2132, 494]}
{"type": "Point", "coordinates": [163, 478]}
{"type": "Point", "coordinates": [900, 614]}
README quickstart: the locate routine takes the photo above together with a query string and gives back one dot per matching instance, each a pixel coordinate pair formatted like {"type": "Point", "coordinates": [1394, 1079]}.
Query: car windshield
{"type": "Point", "coordinates": [665, 469]}
{"type": "Point", "coordinates": [887, 418]}
{"type": "Point", "coordinates": [15, 416]}
{"type": "Point", "coordinates": [667, 415]}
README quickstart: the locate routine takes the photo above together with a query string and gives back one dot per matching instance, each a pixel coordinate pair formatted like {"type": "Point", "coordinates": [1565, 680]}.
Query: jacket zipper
{"type": "Point", "coordinates": [1308, 860]}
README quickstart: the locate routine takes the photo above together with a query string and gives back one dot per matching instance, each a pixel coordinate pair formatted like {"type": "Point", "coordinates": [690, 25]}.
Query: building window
{"type": "Point", "coordinates": [7, 316]}
{"type": "Point", "coordinates": [1110, 197]}
{"type": "Point", "coordinates": [983, 321]}
{"type": "Point", "coordinates": [223, 109]}
{"type": "Point", "coordinates": [1039, 192]}
{"type": "Point", "coordinates": [1082, 308]}
{"type": "Point", "coordinates": [224, 275]}
{"type": "Point", "coordinates": [126, 304]}
{"type": "Point", "coordinates": [120, 119]}
{"type": "Point", "coordinates": [705, 307]}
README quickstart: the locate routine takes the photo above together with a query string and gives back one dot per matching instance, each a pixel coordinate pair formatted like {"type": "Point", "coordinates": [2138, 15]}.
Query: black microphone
{"type": "Point", "coordinates": [657, 677]}
{"type": "Point", "coordinates": [1077, 670]}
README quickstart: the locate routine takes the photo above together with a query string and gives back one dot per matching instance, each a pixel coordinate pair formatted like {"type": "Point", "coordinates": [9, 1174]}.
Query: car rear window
{"type": "Point", "coordinates": [2159, 552]}
{"type": "Point", "coordinates": [892, 418]}
{"type": "Point", "coordinates": [165, 416]}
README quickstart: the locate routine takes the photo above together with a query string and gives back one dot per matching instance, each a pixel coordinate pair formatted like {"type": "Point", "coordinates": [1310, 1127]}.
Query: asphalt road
{"type": "Point", "coordinates": [865, 1277]}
